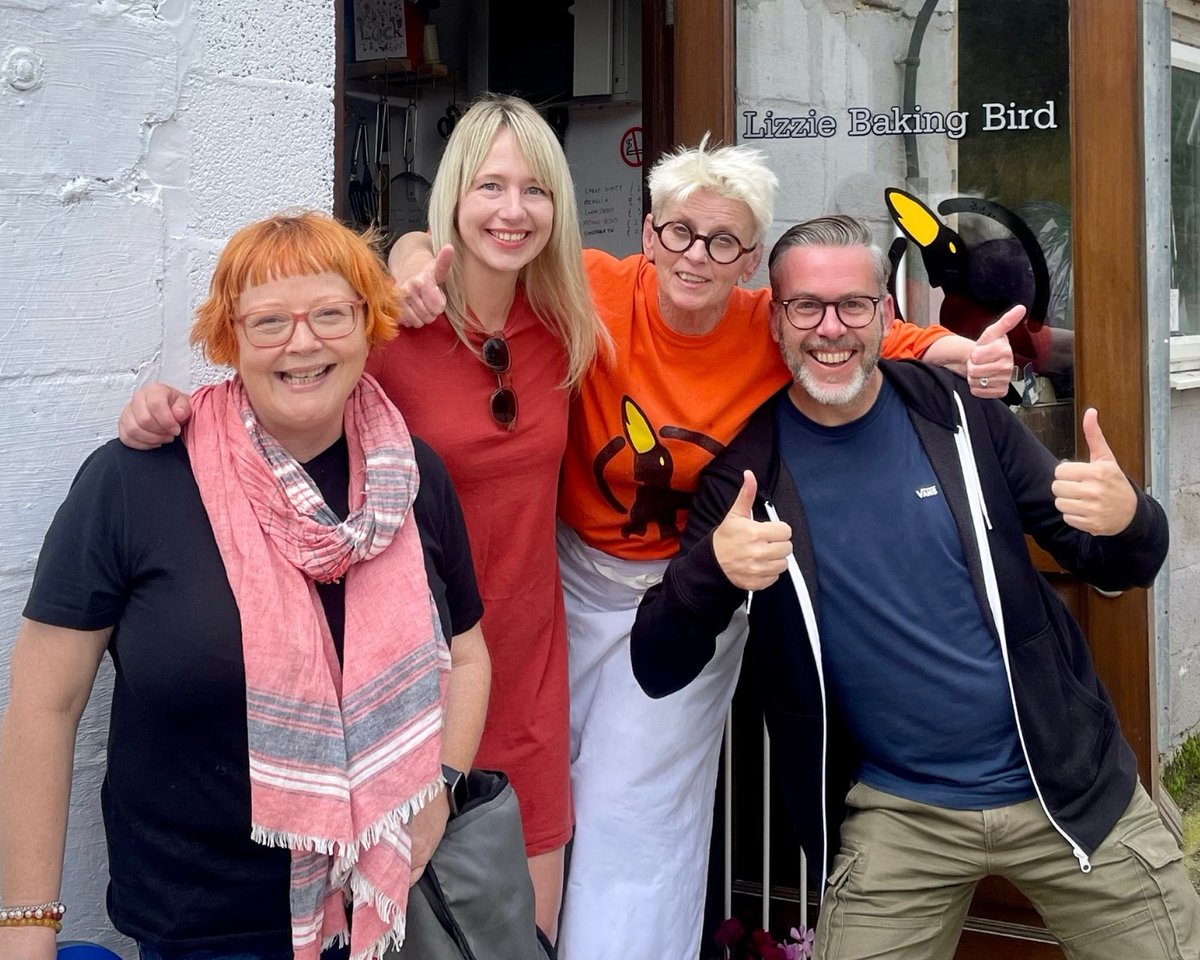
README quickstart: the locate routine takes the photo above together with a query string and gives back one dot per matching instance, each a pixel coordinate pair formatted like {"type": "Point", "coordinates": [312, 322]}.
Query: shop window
{"type": "Point", "coordinates": [1185, 216]}
{"type": "Point", "coordinates": [951, 133]}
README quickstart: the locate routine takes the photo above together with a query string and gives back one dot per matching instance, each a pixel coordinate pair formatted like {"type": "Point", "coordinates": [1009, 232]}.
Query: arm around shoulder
{"type": "Point", "coordinates": [154, 415]}
{"type": "Point", "coordinates": [419, 276]}
{"type": "Point", "coordinates": [410, 254]}
{"type": "Point", "coordinates": [906, 341]}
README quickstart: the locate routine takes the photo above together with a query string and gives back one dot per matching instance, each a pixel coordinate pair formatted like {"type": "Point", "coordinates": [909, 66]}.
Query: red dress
{"type": "Point", "coordinates": [507, 482]}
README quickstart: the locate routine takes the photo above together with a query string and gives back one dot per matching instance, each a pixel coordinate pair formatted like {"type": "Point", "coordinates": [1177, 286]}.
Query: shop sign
{"type": "Point", "coordinates": [862, 122]}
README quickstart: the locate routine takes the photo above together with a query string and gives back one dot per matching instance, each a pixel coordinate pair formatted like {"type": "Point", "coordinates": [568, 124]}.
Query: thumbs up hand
{"type": "Point", "coordinates": [423, 299]}
{"type": "Point", "coordinates": [990, 363]}
{"type": "Point", "coordinates": [752, 554]}
{"type": "Point", "coordinates": [1095, 497]}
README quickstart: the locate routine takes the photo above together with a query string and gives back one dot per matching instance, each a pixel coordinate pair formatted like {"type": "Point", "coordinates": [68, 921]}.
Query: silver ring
{"type": "Point", "coordinates": [983, 381]}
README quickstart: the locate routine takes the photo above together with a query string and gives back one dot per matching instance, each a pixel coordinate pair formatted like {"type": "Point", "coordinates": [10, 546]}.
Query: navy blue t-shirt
{"type": "Point", "coordinates": [909, 660]}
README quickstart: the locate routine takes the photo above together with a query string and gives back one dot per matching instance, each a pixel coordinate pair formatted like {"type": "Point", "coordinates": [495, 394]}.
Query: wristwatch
{"type": "Point", "coordinates": [456, 788]}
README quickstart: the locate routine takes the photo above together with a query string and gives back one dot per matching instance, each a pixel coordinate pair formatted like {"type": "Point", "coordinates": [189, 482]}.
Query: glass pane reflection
{"type": "Point", "coordinates": [953, 107]}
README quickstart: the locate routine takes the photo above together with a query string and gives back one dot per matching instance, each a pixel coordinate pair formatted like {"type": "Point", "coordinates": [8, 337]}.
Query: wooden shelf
{"type": "Point", "coordinates": [393, 77]}
{"type": "Point", "coordinates": [396, 70]}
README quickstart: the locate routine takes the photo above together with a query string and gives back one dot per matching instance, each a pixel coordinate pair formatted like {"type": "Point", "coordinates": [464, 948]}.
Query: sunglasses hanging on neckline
{"type": "Point", "coordinates": [502, 404]}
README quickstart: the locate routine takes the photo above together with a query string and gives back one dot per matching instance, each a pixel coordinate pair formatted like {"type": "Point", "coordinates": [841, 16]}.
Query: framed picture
{"type": "Point", "coordinates": [379, 29]}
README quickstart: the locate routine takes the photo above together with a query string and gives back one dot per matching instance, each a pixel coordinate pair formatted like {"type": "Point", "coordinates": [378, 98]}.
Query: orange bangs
{"type": "Point", "coordinates": [293, 245]}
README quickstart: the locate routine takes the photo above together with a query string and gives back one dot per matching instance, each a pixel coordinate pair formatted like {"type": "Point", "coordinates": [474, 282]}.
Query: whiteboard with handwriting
{"type": "Point", "coordinates": [607, 190]}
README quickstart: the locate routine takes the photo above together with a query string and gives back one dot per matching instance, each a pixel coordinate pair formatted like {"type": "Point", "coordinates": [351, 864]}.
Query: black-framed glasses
{"type": "Point", "coordinates": [805, 313]}
{"type": "Point", "coordinates": [503, 403]}
{"type": "Point", "coordinates": [678, 237]}
{"type": "Point", "coordinates": [274, 328]}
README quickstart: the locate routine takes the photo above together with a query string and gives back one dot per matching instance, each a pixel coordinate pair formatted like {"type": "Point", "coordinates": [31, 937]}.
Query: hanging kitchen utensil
{"type": "Point", "coordinates": [410, 190]}
{"type": "Point", "coordinates": [446, 124]}
{"type": "Point", "coordinates": [367, 178]}
{"type": "Point", "coordinates": [383, 162]}
{"type": "Point", "coordinates": [361, 191]}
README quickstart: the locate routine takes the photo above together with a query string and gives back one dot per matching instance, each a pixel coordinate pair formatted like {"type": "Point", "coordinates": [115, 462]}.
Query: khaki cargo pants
{"type": "Point", "coordinates": [902, 882]}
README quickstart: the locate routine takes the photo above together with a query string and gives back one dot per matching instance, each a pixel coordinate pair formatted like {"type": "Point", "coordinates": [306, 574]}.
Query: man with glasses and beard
{"type": "Point", "coordinates": [939, 707]}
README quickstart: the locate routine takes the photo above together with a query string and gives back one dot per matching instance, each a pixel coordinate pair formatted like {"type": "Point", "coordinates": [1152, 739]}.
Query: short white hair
{"type": "Point", "coordinates": [733, 172]}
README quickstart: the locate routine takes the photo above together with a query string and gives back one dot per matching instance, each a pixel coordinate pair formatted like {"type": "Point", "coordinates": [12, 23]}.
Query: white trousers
{"type": "Point", "coordinates": [643, 772]}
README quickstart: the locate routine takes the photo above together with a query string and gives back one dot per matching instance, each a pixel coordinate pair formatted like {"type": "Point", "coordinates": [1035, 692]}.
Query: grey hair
{"type": "Point", "coordinates": [836, 230]}
{"type": "Point", "coordinates": [733, 172]}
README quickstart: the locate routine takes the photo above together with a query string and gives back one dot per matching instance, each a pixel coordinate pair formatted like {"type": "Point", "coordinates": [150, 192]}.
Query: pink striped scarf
{"type": "Point", "coordinates": [340, 757]}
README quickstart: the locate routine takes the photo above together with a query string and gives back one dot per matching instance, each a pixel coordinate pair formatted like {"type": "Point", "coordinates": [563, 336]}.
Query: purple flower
{"type": "Point", "coordinates": [801, 949]}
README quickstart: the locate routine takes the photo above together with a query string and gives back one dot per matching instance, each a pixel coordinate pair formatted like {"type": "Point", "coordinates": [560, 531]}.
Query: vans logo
{"type": "Point", "coordinates": [930, 491]}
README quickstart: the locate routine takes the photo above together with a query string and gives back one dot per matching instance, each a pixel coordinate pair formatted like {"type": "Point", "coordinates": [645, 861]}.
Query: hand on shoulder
{"type": "Point", "coordinates": [153, 416]}
{"type": "Point", "coordinates": [419, 277]}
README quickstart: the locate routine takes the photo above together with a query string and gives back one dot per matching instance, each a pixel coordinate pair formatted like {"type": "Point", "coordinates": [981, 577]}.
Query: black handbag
{"type": "Point", "coordinates": [475, 899]}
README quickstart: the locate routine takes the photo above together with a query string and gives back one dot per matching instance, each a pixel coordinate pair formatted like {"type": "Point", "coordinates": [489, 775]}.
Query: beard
{"type": "Point", "coordinates": [830, 394]}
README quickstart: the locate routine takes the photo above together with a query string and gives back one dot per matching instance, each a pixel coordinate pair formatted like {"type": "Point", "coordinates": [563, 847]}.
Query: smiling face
{"type": "Point", "coordinates": [298, 390]}
{"type": "Point", "coordinates": [835, 367]}
{"type": "Point", "coordinates": [505, 216]}
{"type": "Point", "coordinates": [693, 289]}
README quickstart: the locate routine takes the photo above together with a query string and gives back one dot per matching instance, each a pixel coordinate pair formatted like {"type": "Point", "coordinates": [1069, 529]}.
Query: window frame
{"type": "Point", "coordinates": [1185, 350]}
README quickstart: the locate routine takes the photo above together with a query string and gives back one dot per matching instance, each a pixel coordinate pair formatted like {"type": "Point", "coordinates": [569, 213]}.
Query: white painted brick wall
{"type": "Point", "coordinates": [150, 132]}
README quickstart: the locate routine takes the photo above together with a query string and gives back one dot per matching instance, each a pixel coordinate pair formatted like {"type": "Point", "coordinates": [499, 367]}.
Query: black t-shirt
{"type": "Point", "coordinates": [132, 548]}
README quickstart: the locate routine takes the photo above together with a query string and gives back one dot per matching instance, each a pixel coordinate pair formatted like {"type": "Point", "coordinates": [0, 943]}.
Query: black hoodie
{"type": "Point", "coordinates": [1083, 768]}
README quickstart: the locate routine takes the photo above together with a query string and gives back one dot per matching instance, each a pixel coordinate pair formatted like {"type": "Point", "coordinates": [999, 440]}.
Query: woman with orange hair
{"type": "Point", "coordinates": [288, 701]}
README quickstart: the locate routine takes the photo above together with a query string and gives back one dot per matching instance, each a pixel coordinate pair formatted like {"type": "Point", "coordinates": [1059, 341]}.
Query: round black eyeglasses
{"type": "Point", "coordinates": [805, 313]}
{"type": "Point", "coordinates": [678, 237]}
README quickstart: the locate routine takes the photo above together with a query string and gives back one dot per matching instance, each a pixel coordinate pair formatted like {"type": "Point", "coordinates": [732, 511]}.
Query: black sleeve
{"type": "Point", "coordinates": [82, 577]}
{"type": "Point", "coordinates": [1128, 559]}
{"type": "Point", "coordinates": [444, 534]}
{"type": "Point", "coordinates": [679, 619]}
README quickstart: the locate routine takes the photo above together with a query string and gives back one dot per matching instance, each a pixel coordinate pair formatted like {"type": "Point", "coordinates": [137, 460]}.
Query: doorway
{"type": "Point", "coordinates": [1087, 165]}
{"type": "Point", "coordinates": [406, 71]}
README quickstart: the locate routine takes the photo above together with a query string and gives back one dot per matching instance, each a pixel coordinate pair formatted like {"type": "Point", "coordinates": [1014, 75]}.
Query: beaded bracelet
{"type": "Point", "coordinates": [40, 915]}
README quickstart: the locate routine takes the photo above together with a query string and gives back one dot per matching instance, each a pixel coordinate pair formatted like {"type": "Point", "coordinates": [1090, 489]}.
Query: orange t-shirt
{"type": "Point", "coordinates": [645, 425]}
